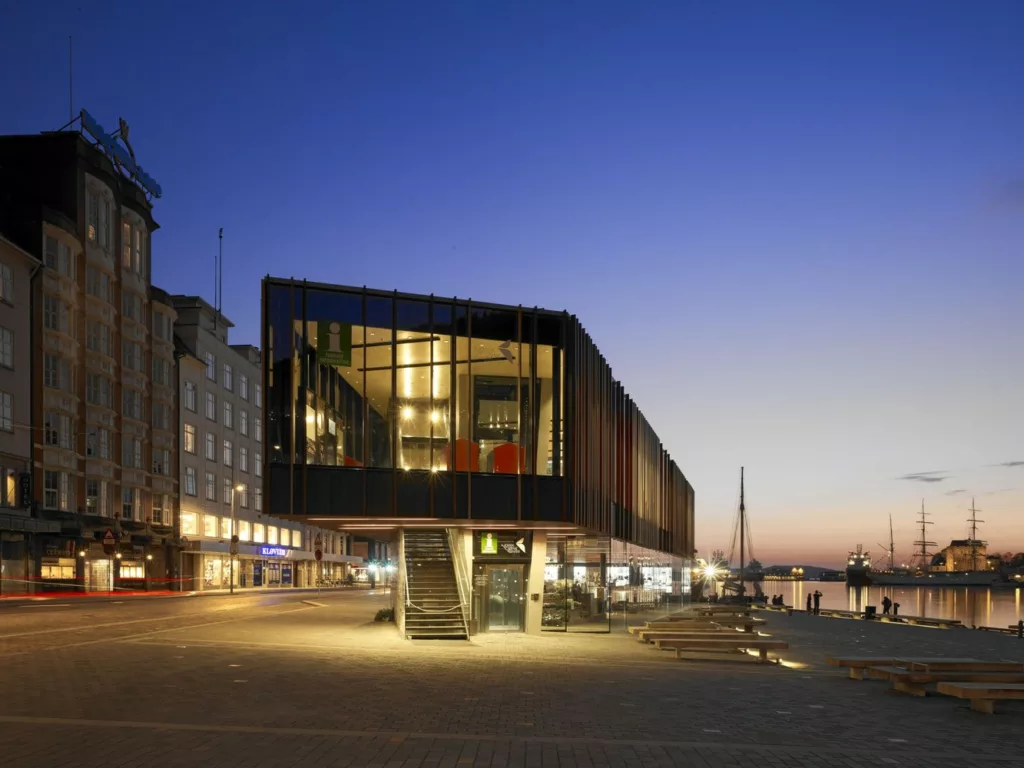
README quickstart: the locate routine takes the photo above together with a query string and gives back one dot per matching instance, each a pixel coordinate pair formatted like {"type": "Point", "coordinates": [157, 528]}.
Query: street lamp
{"type": "Point", "coordinates": [234, 539]}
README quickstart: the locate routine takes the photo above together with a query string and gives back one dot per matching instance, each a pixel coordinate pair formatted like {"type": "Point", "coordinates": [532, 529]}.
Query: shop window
{"type": "Point", "coordinates": [210, 528]}
{"type": "Point", "coordinates": [259, 533]}
{"type": "Point", "coordinates": [132, 571]}
{"type": "Point", "coordinates": [225, 528]}
{"type": "Point", "coordinates": [271, 534]}
{"type": "Point", "coordinates": [244, 530]}
{"type": "Point", "coordinates": [57, 568]}
{"type": "Point", "coordinates": [189, 524]}
{"type": "Point", "coordinates": [297, 539]}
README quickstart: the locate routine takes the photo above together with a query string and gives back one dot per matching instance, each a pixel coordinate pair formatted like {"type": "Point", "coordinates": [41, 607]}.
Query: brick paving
{"type": "Point", "coordinates": [293, 683]}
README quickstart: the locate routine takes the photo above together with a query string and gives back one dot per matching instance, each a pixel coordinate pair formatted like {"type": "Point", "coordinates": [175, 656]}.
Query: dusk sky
{"type": "Point", "coordinates": [795, 229]}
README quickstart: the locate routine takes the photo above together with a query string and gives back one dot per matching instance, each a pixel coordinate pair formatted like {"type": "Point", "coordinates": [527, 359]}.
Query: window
{"type": "Point", "coordinates": [229, 420]}
{"type": "Point", "coordinates": [190, 439]}
{"type": "Point", "coordinates": [243, 422]}
{"type": "Point", "coordinates": [210, 527]}
{"type": "Point", "coordinates": [228, 453]}
{"type": "Point", "coordinates": [97, 390]}
{"type": "Point", "coordinates": [98, 442]}
{"type": "Point", "coordinates": [131, 404]}
{"type": "Point", "coordinates": [161, 504]}
{"type": "Point", "coordinates": [162, 464]}
{"type": "Point", "coordinates": [98, 338]}
{"type": "Point", "coordinates": [57, 429]}
{"type": "Point", "coordinates": [243, 458]}
{"type": "Point", "coordinates": [243, 386]}
{"type": "Point", "coordinates": [105, 224]}
{"type": "Point", "coordinates": [6, 348]}
{"type": "Point", "coordinates": [97, 283]}
{"type": "Point", "coordinates": [258, 428]}
{"type": "Point", "coordinates": [190, 481]}
{"type": "Point", "coordinates": [6, 284]}
{"type": "Point", "coordinates": [258, 533]}
{"type": "Point", "coordinates": [244, 530]}
{"type": "Point", "coordinates": [161, 371]}
{"type": "Point", "coordinates": [57, 256]}
{"type": "Point", "coordinates": [162, 416]}
{"type": "Point", "coordinates": [56, 372]}
{"type": "Point", "coordinates": [211, 486]}
{"type": "Point", "coordinates": [138, 251]}
{"type": "Point", "coordinates": [228, 380]}
{"type": "Point", "coordinates": [6, 412]}
{"type": "Point", "coordinates": [57, 316]}
{"type": "Point", "coordinates": [126, 245]}
{"type": "Point", "coordinates": [226, 486]}
{"type": "Point", "coordinates": [130, 503]}
{"type": "Point", "coordinates": [271, 534]}
{"type": "Point", "coordinates": [211, 366]}
{"type": "Point", "coordinates": [131, 356]}
{"type": "Point", "coordinates": [92, 492]}
{"type": "Point", "coordinates": [296, 537]}
{"type": "Point", "coordinates": [259, 396]}
{"type": "Point", "coordinates": [188, 523]}
{"type": "Point", "coordinates": [51, 488]}
{"type": "Point", "coordinates": [131, 306]}
{"type": "Point", "coordinates": [258, 498]}
{"type": "Point", "coordinates": [131, 452]}
{"type": "Point", "coordinates": [243, 498]}
{"type": "Point", "coordinates": [211, 406]}
{"type": "Point", "coordinates": [190, 395]}
{"type": "Point", "coordinates": [162, 326]}
{"type": "Point", "coordinates": [211, 446]}
{"type": "Point", "coordinates": [259, 464]}
{"type": "Point", "coordinates": [225, 528]}
{"type": "Point", "coordinates": [92, 230]}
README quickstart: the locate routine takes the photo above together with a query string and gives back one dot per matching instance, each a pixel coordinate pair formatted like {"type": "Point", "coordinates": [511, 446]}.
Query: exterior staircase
{"type": "Point", "coordinates": [433, 609]}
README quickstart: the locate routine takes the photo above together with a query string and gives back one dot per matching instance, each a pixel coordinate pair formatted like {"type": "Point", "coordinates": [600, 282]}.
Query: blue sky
{"type": "Point", "coordinates": [795, 229]}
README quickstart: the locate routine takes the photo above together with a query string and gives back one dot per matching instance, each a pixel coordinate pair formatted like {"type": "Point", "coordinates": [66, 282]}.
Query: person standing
{"type": "Point", "coordinates": [808, 602]}
{"type": "Point", "coordinates": [817, 603]}
{"type": "Point", "coordinates": [886, 605]}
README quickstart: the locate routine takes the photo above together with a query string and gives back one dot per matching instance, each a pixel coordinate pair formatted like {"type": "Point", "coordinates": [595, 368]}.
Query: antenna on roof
{"type": "Point", "coordinates": [71, 83]}
{"type": "Point", "coordinates": [218, 278]}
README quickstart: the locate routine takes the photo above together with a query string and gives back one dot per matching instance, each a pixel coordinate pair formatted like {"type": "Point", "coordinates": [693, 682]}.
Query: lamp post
{"type": "Point", "coordinates": [234, 539]}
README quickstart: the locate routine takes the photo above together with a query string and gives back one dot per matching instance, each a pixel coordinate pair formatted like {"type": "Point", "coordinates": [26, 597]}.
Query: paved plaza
{"type": "Point", "coordinates": [310, 680]}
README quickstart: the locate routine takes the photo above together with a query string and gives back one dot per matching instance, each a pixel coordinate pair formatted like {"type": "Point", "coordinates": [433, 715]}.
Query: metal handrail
{"type": "Point", "coordinates": [461, 578]}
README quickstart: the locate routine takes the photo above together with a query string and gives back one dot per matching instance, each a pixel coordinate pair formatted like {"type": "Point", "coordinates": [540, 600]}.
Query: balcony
{"type": "Point", "coordinates": [98, 309]}
{"type": "Point", "coordinates": [134, 379]}
{"type": "Point", "coordinates": [134, 477]}
{"type": "Point", "coordinates": [54, 457]}
{"type": "Point", "coordinates": [163, 484]}
{"type": "Point", "coordinates": [94, 254]}
{"type": "Point", "coordinates": [101, 469]}
{"type": "Point", "coordinates": [61, 287]}
{"type": "Point", "coordinates": [60, 344]}
{"type": "Point", "coordinates": [132, 428]}
{"type": "Point", "coordinates": [97, 362]}
{"type": "Point", "coordinates": [58, 400]}
{"type": "Point", "coordinates": [100, 416]}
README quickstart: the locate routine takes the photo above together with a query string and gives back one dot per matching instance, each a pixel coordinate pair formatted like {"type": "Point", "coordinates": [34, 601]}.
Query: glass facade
{"type": "Point", "coordinates": [390, 405]}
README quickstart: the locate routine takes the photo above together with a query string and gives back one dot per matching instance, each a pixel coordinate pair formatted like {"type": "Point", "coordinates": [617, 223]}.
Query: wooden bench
{"type": "Point", "coordinates": [914, 681]}
{"type": "Point", "coordinates": [746, 623]}
{"type": "Point", "coordinates": [857, 664]}
{"type": "Point", "coordinates": [737, 644]}
{"type": "Point", "coordinates": [650, 635]}
{"type": "Point", "coordinates": [673, 642]}
{"type": "Point", "coordinates": [921, 621]}
{"type": "Point", "coordinates": [983, 696]}
{"type": "Point", "coordinates": [959, 665]}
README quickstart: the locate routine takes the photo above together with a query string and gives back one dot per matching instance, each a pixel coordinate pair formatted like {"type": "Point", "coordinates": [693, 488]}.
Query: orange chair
{"type": "Point", "coordinates": [504, 458]}
{"type": "Point", "coordinates": [350, 462]}
{"type": "Point", "coordinates": [467, 454]}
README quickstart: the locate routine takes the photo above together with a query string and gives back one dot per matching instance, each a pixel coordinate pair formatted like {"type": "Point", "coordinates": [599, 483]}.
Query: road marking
{"type": "Point", "coordinates": [315, 604]}
{"type": "Point", "coordinates": [81, 628]}
{"type": "Point", "coordinates": [44, 605]}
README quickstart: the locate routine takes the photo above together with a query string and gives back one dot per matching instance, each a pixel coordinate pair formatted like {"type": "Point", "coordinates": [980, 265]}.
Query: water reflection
{"type": "Point", "coordinates": [974, 606]}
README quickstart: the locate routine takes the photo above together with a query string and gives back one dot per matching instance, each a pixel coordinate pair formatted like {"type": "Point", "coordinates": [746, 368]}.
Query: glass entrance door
{"type": "Point", "coordinates": [505, 605]}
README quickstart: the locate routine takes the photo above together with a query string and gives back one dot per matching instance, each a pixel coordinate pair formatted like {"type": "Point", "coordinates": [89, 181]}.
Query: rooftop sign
{"type": "Point", "coordinates": [122, 155]}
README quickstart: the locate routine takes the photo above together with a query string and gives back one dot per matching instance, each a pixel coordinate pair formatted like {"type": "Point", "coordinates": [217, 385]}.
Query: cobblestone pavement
{"type": "Point", "coordinates": [313, 683]}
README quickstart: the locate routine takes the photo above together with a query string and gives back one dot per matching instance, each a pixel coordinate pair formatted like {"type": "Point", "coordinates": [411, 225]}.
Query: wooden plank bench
{"type": "Point", "coordinates": [673, 642]}
{"type": "Point", "coordinates": [983, 696]}
{"type": "Point", "coordinates": [737, 644]}
{"type": "Point", "coordinates": [914, 681]}
{"type": "Point", "coordinates": [959, 665]}
{"type": "Point", "coordinates": [650, 635]}
{"type": "Point", "coordinates": [857, 664]}
{"type": "Point", "coordinates": [747, 623]}
{"type": "Point", "coordinates": [920, 621]}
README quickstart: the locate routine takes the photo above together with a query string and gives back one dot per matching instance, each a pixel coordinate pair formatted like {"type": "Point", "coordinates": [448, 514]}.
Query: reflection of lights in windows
{"type": "Point", "coordinates": [407, 412]}
{"type": "Point", "coordinates": [435, 416]}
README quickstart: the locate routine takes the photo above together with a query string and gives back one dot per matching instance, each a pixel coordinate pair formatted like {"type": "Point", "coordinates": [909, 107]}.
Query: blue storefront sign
{"type": "Point", "coordinates": [257, 574]}
{"type": "Point", "coordinates": [122, 154]}
{"type": "Point", "coordinates": [286, 573]}
{"type": "Point", "coordinates": [273, 552]}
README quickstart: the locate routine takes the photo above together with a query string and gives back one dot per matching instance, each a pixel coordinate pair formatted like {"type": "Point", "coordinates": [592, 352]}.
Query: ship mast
{"type": "Point", "coordinates": [973, 520]}
{"type": "Point", "coordinates": [743, 538]}
{"type": "Point", "coordinates": [923, 553]}
{"type": "Point", "coordinates": [892, 546]}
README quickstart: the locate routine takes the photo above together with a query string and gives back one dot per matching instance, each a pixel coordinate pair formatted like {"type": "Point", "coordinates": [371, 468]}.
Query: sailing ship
{"type": "Point", "coordinates": [964, 563]}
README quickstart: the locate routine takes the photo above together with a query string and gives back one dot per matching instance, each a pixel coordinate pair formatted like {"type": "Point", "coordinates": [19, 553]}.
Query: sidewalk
{"type": "Point", "coordinates": [163, 594]}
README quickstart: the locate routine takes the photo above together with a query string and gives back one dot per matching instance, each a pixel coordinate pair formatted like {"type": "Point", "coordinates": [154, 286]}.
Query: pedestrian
{"type": "Point", "coordinates": [808, 602]}
{"type": "Point", "coordinates": [886, 605]}
{"type": "Point", "coordinates": [817, 603]}
{"type": "Point", "coordinates": [895, 609]}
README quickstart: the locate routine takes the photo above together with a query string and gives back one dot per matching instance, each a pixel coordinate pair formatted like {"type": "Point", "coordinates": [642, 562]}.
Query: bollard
{"type": "Point", "coordinates": [1020, 629]}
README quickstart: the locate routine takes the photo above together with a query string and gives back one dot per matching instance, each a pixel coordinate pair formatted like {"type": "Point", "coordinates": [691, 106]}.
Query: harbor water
{"type": "Point", "coordinates": [974, 606]}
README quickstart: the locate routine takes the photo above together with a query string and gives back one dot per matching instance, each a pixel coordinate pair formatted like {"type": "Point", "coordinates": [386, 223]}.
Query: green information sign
{"type": "Point", "coordinates": [488, 544]}
{"type": "Point", "coordinates": [334, 343]}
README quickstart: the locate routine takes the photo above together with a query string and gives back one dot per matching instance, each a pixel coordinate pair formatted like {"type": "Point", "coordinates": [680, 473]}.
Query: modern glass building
{"type": "Point", "coordinates": [393, 415]}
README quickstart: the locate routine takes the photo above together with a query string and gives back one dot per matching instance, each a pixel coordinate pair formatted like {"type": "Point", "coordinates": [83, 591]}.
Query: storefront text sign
{"type": "Point", "coordinates": [273, 552]}
{"type": "Point", "coordinates": [511, 544]}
